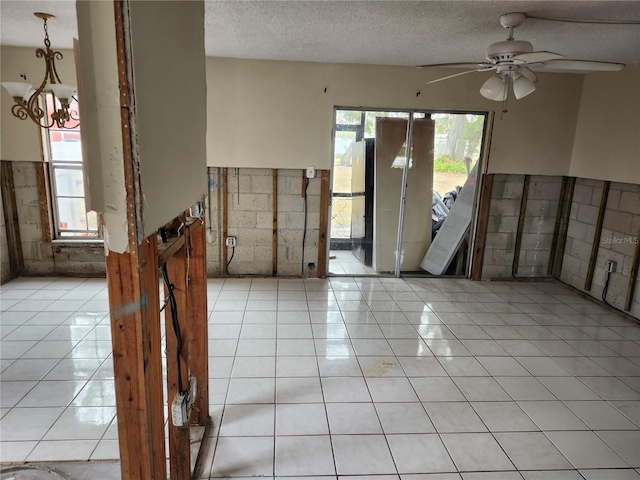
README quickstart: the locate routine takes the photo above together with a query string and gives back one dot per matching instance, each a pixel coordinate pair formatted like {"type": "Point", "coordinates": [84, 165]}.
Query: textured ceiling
{"type": "Point", "coordinates": [383, 32]}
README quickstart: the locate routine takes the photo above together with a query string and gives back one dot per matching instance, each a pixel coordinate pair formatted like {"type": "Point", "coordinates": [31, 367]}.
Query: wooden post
{"type": "Point", "coordinates": [274, 208]}
{"type": "Point", "coordinates": [633, 275]}
{"type": "Point", "coordinates": [324, 223]}
{"type": "Point", "coordinates": [42, 182]}
{"type": "Point", "coordinates": [521, 218]}
{"type": "Point", "coordinates": [179, 441]}
{"type": "Point", "coordinates": [596, 235]}
{"type": "Point", "coordinates": [132, 280]}
{"type": "Point", "coordinates": [225, 216]}
{"type": "Point", "coordinates": [562, 241]}
{"type": "Point", "coordinates": [197, 317]}
{"type": "Point", "coordinates": [556, 228]}
{"type": "Point", "coordinates": [481, 230]}
{"type": "Point", "coordinates": [10, 211]}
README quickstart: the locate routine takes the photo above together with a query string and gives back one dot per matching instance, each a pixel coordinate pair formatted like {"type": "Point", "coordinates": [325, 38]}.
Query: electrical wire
{"type": "Point", "coordinates": [304, 228]}
{"type": "Point", "coordinates": [606, 287]}
{"type": "Point", "coordinates": [233, 252]}
{"type": "Point", "coordinates": [176, 325]}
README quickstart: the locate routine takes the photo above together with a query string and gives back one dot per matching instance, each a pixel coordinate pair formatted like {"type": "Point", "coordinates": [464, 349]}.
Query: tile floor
{"type": "Point", "coordinates": [431, 379]}
{"type": "Point", "coordinates": [344, 262]}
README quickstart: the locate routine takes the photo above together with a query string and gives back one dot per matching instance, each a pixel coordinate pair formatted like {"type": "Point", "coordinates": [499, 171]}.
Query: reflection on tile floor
{"type": "Point", "coordinates": [377, 378]}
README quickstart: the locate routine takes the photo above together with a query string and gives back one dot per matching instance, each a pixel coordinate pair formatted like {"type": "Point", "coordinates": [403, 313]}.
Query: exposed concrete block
{"type": "Point", "coordinates": [256, 171]}
{"type": "Point", "coordinates": [514, 187]}
{"type": "Point", "coordinates": [618, 221]}
{"type": "Point", "coordinates": [232, 181]}
{"type": "Point", "coordinates": [588, 182]}
{"type": "Point", "coordinates": [295, 220]}
{"type": "Point", "coordinates": [545, 188]}
{"type": "Point", "coordinates": [580, 249]}
{"type": "Point", "coordinates": [241, 219]}
{"type": "Point", "coordinates": [541, 208]}
{"type": "Point", "coordinates": [540, 225]}
{"type": "Point", "coordinates": [570, 264]}
{"type": "Point", "coordinates": [577, 230]}
{"type": "Point", "coordinates": [265, 220]}
{"type": "Point", "coordinates": [501, 257]}
{"type": "Point", "coordinates": [504, 241]}
{"type": "Point", "coordinates": [534, 241]}
{"type": "Point", "coordinates": [630, 202]}
{"type": "Point", "coordinates": [587, 214]}
{"type": "Point", "coordinates": [249, 237]}
{"type": "Point", "coordinates": [261, 184]}
{"type": "Point", "coordinates": [290, 203]}
{"type": "Point", "coordinates": [502, 224]}
{"type": "Point", "coordinates": [573, 212]}
{"type": "Point", "coordinates": [582, 194]}
{"type": "Point", "coordinates": [613, 200]}
{"type": "Point", "coordinates": [492, 271]}
{"type": "Point", "coordinates": [289, 185]}
{"type": "Point", "coordinates": [505, 207]}
{"type": "Point", "coordinates": [314, 186]}
{"type": "Point", "coordinates": [250, 201]}
{"type": "Point", "coordinates": [290, 237]}
{"type": "Point", "coordinates": [629, 187]}
{"type": "Point", "coordinates": [589, 233]}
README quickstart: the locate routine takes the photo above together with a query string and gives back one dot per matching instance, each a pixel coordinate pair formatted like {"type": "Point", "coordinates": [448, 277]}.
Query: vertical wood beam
{"type": "Point", "coordinates": [596, 235]}
{"type": "Point", "coordinates": [323, 223]}
{"type": "Point", "coordinates": [562, 240]}
{"type": "Point", "coordinates": [42, 182]}
{"type": "Point", "coordinates": [481, 231]}
{"type": "Point", "coordinates": [274, 209]}
{"type": "Point", "coordinates": [10, 211]}
{"type": "Point", "coordinates": [556, 228]}
{"type": "Point", "coordinates": [179, 441]}
{"type": "Point", "coordinates": [521, 218]}
{"type": "Point", "coordinates": [633, 275]}
{"type": "Point", "coordinates": [197, 317]}
{"type": "Point", "coordinates": [225, 217]}
{"type": "Point", "coordinates": [132, 280]}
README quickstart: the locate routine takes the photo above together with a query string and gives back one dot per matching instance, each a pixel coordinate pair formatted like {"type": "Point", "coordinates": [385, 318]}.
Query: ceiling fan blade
{"type": "Point", "coordinates": [526, 72]}
{"type": "Point", "coordinates": [456, 75]}
{"type": "Point", "coordinates": [578, 66]}
{"type": "Point", "coordinates": [536, 57]}
{"type": "Point", "coordinates": [457, 65]}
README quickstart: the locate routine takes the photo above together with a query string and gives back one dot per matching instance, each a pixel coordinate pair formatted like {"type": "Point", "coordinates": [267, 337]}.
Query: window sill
{"type": "Point", "coordinates": [72, 242]}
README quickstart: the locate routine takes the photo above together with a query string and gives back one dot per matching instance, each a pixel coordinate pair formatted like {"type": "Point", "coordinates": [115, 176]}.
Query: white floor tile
{"type": "Point", "coordinates": [403, 418]}
{"type": "Point", "coordinates": [301, 419]}
{"type": "Point", "coordinates": [454, 417]}
{"type": "Point", "coordinates": [531, 451]}
{"type": "Point", "coordinates": [409, 454]}
{"type": "Point", "coordinates": [362, 455]}
{"type": "Point", "coordinates": [243, 456]}
{"type": "Point", "coordinates": [308, 455]}
{"type": "Point", "coordinates": [247, 421]}
{"type": "Point", "coordinates": [586, 450]}
{"type": "Point", "coordinates": [353, 419]}
{"type": "Point", "coordinates": [474, 452]}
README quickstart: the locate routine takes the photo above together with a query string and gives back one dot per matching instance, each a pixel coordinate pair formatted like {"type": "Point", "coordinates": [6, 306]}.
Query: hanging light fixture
{"type": "Point", "coordinates": [27, 97]}
{"type": "Point", "coordinates": [495, 88]}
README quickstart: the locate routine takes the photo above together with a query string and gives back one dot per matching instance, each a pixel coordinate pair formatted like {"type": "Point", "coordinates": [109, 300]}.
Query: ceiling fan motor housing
{"type": "Point", "coordinates": [504, 51]}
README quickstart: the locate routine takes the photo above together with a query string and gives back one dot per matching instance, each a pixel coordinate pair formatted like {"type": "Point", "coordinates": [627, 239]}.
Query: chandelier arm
{"type": "Point", "coordinates": [18, 110]}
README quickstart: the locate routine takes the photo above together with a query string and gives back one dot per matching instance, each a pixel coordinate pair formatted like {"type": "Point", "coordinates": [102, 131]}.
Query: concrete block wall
{"type": "Point", "coordinates": [250, 220]}
{"type": "Point", "coordinates": [539, 224]}
{"type": "Point", "coordinates": [617, 242]}
{"type": "Point", "coordinates": [502, 225]}
{"type": "Point", "coordinates": [46, 258]}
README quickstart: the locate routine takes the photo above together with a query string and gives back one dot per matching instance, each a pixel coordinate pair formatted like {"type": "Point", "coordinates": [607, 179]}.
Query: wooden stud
{"type": "Point", "coordinates": [169, 249]}
{"type": "Point", "coordinates": [521, 218]}
{"type": "Point", "coordinates": [556, 228]}
{"type": "Point", "coordinates": [12, 226]}
{"type": "Point", "coordinates": [225, 216]}
{"type": "Point", "coordinates": [323, 228]}
{"type": "Point", "coordinates": [562, 240]}
{"type": "Point", "coordinates": [132, 280]}
{"type": "Point", "coordinates": [596, 235]}
{"type": "Point", "coordinates": [274, 209]}
{"type": "Point", "coordinates": [481, 229]}
{"type": "Point", "coordinates": [197, 316]}
{"type": "Point", "coordinates": [42, 182]}
{"type": "Point", "coordinates": [304, 183]}
{"type": "Point", "coordinates": [179, 441]}
{"type": "Point", "coordinates": [633, 275]}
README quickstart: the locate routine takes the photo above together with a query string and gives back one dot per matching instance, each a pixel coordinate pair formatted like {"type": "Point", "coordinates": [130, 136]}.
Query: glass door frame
{"type": "Point", "coordinates": [481, 167]}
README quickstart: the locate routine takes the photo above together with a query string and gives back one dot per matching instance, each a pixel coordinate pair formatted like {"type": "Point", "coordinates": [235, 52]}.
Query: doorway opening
{"type": "Point", "coordinates": [388, 201]}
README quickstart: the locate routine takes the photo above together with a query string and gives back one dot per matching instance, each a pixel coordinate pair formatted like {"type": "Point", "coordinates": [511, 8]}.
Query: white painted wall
{"type": "Point", "coordinates": [607, 140]}
{"type": "Point", "coordinates": [277, 114]}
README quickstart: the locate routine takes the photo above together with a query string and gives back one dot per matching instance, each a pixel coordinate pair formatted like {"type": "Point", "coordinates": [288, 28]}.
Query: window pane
{"type": "Point", "coordinates": [69, 182]}
{"type": "Point", "coordinates": [92, 218]}
{"type": "Point", "coordinates": [65, 145]}
{"type": "Point", "coordinates": [71, 214]}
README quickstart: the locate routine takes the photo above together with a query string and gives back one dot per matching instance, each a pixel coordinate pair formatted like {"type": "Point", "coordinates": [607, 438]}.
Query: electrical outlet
{"type": "Point", "coordinates": [231, 241]}
{"type": "Point", "coordinates": [311, 172]}
{"type": "Point", "coordinates": [610, 266]}
{"type": "Point", "coordinates": [179, 413]}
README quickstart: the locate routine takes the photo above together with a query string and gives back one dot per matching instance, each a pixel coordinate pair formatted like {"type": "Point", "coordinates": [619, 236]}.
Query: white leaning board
{"type": "Point", "coordinates": [449, 237]}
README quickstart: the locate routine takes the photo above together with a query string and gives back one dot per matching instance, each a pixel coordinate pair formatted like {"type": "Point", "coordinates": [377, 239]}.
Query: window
{"type": "Point", "coordinates": [63, 151]}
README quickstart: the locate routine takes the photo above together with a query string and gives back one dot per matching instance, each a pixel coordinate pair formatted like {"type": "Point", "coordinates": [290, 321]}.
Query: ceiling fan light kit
{"type": "Point", "coordinates": [512, 59]}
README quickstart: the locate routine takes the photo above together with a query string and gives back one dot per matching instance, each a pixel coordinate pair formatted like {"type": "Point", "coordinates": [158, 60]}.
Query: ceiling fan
{"type": "Point", "coordinates": [516, 60]}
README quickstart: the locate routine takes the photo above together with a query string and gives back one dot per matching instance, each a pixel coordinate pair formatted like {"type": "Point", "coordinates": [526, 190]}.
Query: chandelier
{"type": "Point", "coordinates": [27, 98]}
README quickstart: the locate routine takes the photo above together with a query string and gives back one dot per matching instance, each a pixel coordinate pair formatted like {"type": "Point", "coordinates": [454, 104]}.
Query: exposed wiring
{"type": "Point", "coordinates": [233, 252]}
{"type": "Point", "coordinates": [304, 228]}
{"type": "Point", "coordinates": [577, 20]}
{"type": "Point", "coordinates": [606, 287]}
{"type": "Point", "coordinates": [176, 325]}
